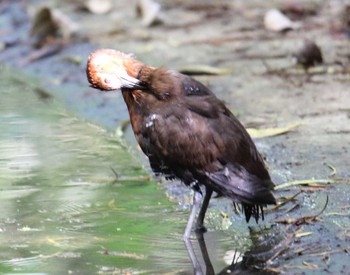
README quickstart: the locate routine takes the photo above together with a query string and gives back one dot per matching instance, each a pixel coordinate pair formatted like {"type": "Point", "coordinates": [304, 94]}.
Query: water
{"type": "Point", "coordinates": [62, 208]}
{"type": "Point", "coordinates": [64, 211]}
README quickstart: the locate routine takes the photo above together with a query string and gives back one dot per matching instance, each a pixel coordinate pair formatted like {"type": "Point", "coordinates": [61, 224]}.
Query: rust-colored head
{"type": "Point", "coordinates": [109, 69]}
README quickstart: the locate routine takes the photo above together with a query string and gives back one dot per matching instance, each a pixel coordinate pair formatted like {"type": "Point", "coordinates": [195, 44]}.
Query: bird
{"type": "Point", "coordinates": [187, 133]}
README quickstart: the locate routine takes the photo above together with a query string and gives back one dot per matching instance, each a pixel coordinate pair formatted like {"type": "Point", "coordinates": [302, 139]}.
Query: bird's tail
{"type": "Point", "coordinates": [252, 192]}
{"type": "Point", "coordinates": [251, 210]}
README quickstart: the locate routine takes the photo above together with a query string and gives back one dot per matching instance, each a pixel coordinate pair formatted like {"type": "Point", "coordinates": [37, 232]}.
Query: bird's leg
{"type": "Point", "coordinates": [197, 198]}
{"type": "Point", "coordinates": [205, 254]}
{"type": "Point", "coordinates": [200, 220]}
{"type": "Point", "coordinates": [197, 269]}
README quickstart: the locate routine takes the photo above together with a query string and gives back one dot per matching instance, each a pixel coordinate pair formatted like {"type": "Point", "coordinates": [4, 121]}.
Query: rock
{"type": "Point", "coordinates": [309, 55]}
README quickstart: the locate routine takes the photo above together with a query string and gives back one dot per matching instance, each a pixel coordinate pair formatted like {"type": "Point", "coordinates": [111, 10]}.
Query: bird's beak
{"type": "Point", "coordinates": [112, 70]}
{"type": "Point", "coordinates": [105, 72]}
{"type": "Point", "coordinates": [130, 83]}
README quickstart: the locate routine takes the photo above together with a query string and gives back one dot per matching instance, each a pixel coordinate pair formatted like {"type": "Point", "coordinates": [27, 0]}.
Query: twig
{"type": "Point", "coordinates": [311, 181]}
{"type": "Point", "coordinates": [305, 219]}
{"type": "Point", "coordinates": [278, 206]}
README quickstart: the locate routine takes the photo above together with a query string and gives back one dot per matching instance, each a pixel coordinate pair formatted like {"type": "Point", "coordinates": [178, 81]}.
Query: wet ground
{"type": "Point", "coordinates": [60, 199]}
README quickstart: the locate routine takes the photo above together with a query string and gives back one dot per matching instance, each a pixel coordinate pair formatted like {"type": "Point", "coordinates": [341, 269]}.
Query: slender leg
{"type": "Point", "coordinates": [197, 198]}
{"type": "Point", "coordinates": [197, 269]}
{"type": "Point", "coordinates": [205, 254]}
{"type": "Point", "coordinates": [200, 220]}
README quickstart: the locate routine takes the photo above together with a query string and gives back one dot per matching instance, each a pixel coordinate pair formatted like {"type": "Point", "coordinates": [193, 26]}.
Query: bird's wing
{"type": "Point", "coordinates": [239, 171]}
{"type": "Point", "coordinates": [192, 87]}
{"type": "Point", "coordinates": [201, 135]}
{"type": "Point", "coordinates": [243, 187]}
{"type": "Point", "coordinates": [180, 136]}
{"type": "Point", "coordinates": [199, 132]}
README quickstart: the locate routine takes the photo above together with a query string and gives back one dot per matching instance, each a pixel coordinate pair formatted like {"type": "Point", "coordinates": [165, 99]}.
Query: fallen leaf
{"type": "Point", "coordinates": [149, 11]}
{"type": "Point", "coordinates": [312, 187]}
{"type": "Point", "coordinates": [287, 200]}
{"type": "Point", "coordinates": [269, 132]}
{"type": "Point", "coordinates": [333, 170]}
{"type": "Point", "coordinates": [51, 23]}
{"type": "Point", "coordinates": [66, 26]}
{"type": "Point", "coordinates": [310, 265]}
{"type": "Point", "coordinates": [303, 234]}
{"type": "Point", "coordinates": [98, 6]}
{"type": "Point", "coordinates": [304, 219]}
{"type": "Point", "coordinates": [204, 70]}
{"type": "Point", "coordinates": [311, 182]}
{"type": "Point", "coordinates": [276, 21]}
{"type": "Point", "coordinates": [43, 26]}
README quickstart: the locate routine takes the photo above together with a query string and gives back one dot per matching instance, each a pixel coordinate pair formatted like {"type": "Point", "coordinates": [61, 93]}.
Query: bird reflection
{"type": "Point", "coordinates": [267, 245]}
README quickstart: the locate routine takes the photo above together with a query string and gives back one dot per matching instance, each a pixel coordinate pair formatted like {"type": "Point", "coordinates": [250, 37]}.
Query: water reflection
{"type": "Point", "coordinates": [267, 243]}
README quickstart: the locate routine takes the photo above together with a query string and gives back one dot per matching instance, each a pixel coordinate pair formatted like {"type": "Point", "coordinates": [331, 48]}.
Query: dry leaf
{"type": "Point", "coordinates": [276, 21]}
{"type": "Point", "coordinates": [303, 234]}
{"type": "Point", "coordinates": [204, 70]}
{"type": "Point", "coordinates": [43, 26]}
{"type": "Point", "coordinates": [310, 265]}
{"type": "Point", "coordinates": [98, 6]}
{"type": "Point", "coordinates": [311, 182]}
{"type": "Point", "coordinates": [49, 24]}
{"type": "Point", "coordinates": [148, 10]}
{"type": "Point", "coordinates": [269, 132]}
{"type": "Point", "coordinates": [333, 170]}
{"type": "Point", "coordinates": [304, 219]}
{"type": "Point", "coordinates": [287, 200]}
{"type": "Point", "coordinates": [66, 26]}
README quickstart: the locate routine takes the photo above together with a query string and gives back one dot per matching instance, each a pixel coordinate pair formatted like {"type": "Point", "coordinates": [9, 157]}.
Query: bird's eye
{"type": "Point", "coordinates": [107, 80]}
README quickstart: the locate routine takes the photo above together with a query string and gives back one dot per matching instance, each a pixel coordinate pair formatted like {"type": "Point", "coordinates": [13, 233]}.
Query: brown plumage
{"type": "Point", "coordinates": [186, 132]}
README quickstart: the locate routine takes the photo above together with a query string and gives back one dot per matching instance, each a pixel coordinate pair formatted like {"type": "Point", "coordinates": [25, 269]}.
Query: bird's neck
{"type": "Point", "coordinates": [136, 109]}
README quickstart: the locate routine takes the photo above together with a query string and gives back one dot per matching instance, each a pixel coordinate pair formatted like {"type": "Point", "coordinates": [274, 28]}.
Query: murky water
{"type": "Point", "coordinates": [64, 211]}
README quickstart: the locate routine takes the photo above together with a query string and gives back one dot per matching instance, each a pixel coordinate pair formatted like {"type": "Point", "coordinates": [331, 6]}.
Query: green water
{"type": "Point", "coordinates": [63, 211]}
{"type": "Point", "coordinates": [75, 200]}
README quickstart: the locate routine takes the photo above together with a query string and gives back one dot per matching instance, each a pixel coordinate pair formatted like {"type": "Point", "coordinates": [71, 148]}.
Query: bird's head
{"type": "Point", "coordinates": [107, 70]}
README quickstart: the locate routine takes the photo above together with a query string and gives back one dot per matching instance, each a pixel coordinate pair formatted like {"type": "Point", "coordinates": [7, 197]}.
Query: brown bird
{"type": "Point", "coordinates": [187, 133]}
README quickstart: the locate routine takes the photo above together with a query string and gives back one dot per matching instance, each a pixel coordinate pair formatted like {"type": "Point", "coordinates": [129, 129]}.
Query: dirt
{"type": "Point", "coordinates": [264, 88]}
